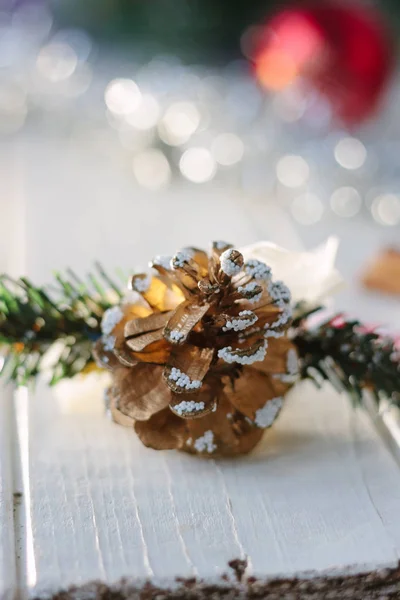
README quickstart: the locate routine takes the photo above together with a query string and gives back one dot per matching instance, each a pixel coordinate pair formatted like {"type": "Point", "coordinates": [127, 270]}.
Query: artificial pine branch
{"type": "Point", "coordinates": [353, 358]}
{"type": "Point", "coordinates": [33, 318]}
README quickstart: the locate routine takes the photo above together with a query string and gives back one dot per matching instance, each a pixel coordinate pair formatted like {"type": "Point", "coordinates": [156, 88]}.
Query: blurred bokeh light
{"type": "Point", "coordinates": [290, 115]}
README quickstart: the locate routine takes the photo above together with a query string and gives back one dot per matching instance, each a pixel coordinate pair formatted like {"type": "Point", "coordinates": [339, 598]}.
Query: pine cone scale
{"type": "Point", "coordinates": [187, 367]}
{"type": "Point", "coordinates": [183, 320]}
{"type": "Point", "coordinates": [125, 356]}
{"type": "Point", "coordinates": [155, 353]}
{"type": "Point", "coordinates": [194, 406]}
{"type": "Point", "coordinates": [155, 292]}
{"type": "Point", "coordinates": [275, 360]}
{"type": "Point", "coordinates": [139, 392]}
{"type": "Point", "coordinates": [141, 342]}
{"type": "Point", "coordinates": [251, 392]}
{"type": "Point", "coordinates": [136, 327]}
{"type": "Point", "coordinates": [162, 431]}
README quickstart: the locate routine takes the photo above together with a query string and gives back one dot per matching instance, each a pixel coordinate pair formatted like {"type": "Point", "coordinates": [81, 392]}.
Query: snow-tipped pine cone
{"type": "Point", "coordinates": [199, 352]}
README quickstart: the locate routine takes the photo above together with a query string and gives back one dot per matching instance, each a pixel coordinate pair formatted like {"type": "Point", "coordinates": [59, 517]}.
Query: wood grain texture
{"type": "Point", "coordinates": [12, 246]}
{"type": "Point", "coordinates": [7, 546]}
{"type": "Point", "coordinates": [320, 495]}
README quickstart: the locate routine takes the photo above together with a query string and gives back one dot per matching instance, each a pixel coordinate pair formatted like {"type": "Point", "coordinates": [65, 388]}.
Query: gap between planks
{"type": "Point", "coordinates": [8, 497]}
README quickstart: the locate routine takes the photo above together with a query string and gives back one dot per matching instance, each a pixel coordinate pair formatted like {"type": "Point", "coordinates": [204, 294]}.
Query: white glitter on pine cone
{"type": "Point", "coordinates": [182, 380]}
{"type": "Point", "coordinates": [220, 244]}
{"type": "Point", "coordinates": [175, 336]}
{"type": "Point", "coordinates": [111, 318]}
{"type": "Point", "coordinates": [141, 284]}
{"type": "Point", "coordinates": [271, 333]}
{"type": "Point", "coordinates": [180, 259]}
{"type": "Point", "coordinates": [205, 443]}
{"type": "Point", "coordinates": [109, 342]}
{"type": "Point", "coordinates": [228, 266]}
{"type": "Point", "coordinates": [257, 269]}
{"type": "Point", "coordinates": [279, 291]}
{"type": "Point", "coordinates": [248, 289]}
{"type": "Point", "coordinates": [266, 415]}
{"type": "Point", "coordinates": [189, 407]}
{"type": "Point", "coordinates": [230, 356]}
{"type": "Point", "coordinates": [162, 261]}
{"type": "Point", "coordinates": [131, 297]}
{"type": "Point", "coordinates": [283, 317]}
{"type": "Point", "coordinates": [243, 323]}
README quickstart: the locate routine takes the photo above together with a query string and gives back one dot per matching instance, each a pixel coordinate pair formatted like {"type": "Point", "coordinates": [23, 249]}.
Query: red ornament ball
{"type": "Point", "coordinates": [344, 50]}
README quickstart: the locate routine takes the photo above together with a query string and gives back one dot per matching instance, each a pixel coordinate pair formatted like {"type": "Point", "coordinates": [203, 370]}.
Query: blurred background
{"type": "Point", "coordinates": [129, 128]}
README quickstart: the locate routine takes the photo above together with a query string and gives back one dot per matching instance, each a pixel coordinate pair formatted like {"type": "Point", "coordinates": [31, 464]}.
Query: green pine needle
{"type": "Point", "coordinates": [32, 319]}
{"type": "Point", "coordinates": [351, 358]}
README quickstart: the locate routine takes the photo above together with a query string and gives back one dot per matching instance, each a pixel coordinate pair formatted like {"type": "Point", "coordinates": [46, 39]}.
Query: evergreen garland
{"type": "Point", "coordinates": [350, 356]}
{"type": "Point", "coordinates": [34, 319]}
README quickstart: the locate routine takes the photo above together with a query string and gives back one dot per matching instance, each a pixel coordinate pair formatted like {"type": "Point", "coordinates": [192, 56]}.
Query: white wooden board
{"type": "Point", "coordinates": [11, 257]}
{"type": "Point", "coordinates": [321, 495]}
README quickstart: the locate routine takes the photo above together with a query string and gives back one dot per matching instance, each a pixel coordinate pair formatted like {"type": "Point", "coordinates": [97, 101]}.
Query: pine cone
{"type": "Point", "coordinates": [199, 352]}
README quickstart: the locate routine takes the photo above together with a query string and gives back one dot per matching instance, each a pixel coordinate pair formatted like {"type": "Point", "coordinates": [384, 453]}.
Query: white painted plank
{"type": "Point", "coordinates": [11, 256]}
{"type": "Point", "coordinates": [7, 547]}
{"type": "Point", "coordinates": [321, 494]}
{"type": "Point", "coordinates": [311, 489]}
